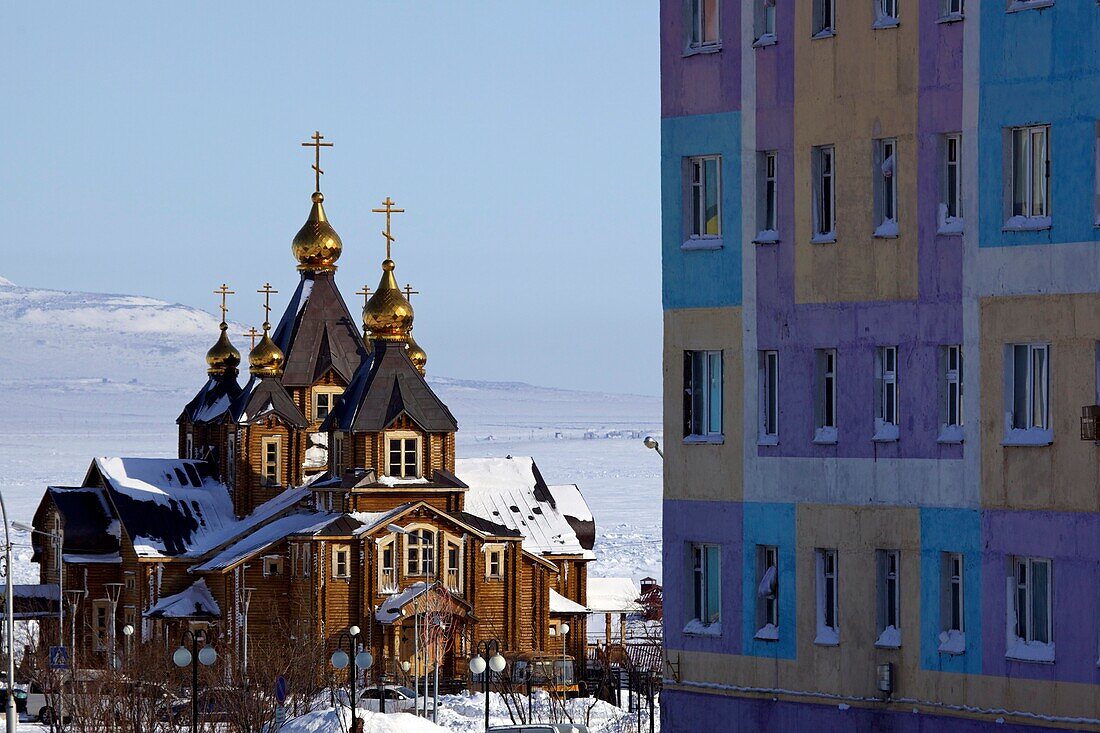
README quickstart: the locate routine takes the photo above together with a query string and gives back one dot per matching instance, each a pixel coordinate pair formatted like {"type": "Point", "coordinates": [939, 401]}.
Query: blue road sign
{"type": "Point", "coordinates": [59, 657]}
{"type": "Point", "coordinates": [280, 689]}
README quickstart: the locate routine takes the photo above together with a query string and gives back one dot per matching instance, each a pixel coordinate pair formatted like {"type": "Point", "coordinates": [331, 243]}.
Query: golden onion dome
{"type": "Point", "coordinates": [388, 316]}
{"type": "Point", "coordinates": [223, 356]}
{"type": "Point", "coordinates": [317, 246]}
{"type": "Point", "coordinates": [416, 354]}
{"type": "Point", "coordinates": [266, 359]}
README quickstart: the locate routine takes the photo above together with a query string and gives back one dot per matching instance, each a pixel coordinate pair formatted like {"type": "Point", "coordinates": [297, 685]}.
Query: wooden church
{"type": "Point", "coordinates": [323, 493]}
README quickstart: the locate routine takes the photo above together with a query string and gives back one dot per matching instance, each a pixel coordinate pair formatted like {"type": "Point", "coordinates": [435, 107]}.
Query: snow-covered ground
{"type": "Point", "coordinates": [86, 375]}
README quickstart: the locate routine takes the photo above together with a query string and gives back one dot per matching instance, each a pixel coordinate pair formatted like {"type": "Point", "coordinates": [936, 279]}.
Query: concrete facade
{"type": "Point", "coordinates": [928, 493]}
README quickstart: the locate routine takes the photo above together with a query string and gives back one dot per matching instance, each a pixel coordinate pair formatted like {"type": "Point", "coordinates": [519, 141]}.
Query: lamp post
{"type": "Point", "coordinates": [184, 656]}
{"type": "Point", "coordinates": [487, 660]}
{"type": "Point", "coordinates": [441, 626]}
{"type": "Point", "coordinates": [9, 623]}
{"type": "Point", "coordinates": [341, 659]}
{"type": "Point", "coordinates": [246, 600]}
{"type": "Point", "coordinates": [564, 646]}
{"type": "Point", "coordinates": [127, 632]}
{"type": "Point", "coordinates": [114, 590]}
{"type": "Point", "coordinates": [74, 596]}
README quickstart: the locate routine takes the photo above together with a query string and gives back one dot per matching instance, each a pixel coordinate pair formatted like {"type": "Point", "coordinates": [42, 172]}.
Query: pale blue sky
{"type": "Point", "coordinates": [152, 148]}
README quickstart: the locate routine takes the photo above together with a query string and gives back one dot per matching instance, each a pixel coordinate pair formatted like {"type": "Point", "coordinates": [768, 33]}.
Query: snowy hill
{"type": "Point", "coordinates": [86, 374]}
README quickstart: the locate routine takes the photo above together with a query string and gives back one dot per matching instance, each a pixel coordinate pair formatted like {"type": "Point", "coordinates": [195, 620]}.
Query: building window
{"type": "Point", "coordinates": [420, 552]}
{"type": "Point", "coordinates": [341, 561]}
{"type": "Point", "coordinates": [824, 18]}
{"type": "Point", "coordinates": [387, 573]}
{"type": "Point", "coordinates": [494, 562]}
{"type": "Point", "coordinates": [338, 453]}
{"type": "Point", "coordinates": [272, 465]}
{"type": "Point", "coordinates": [825, 400]}
{"type": "Point", "coordinates": [886, 188]}
{"type": "Point", "coordinates": [767, 215]}
{"type": "Point", "coordinates": [1030, 177]}
{"type": "Point", "coordinates": [706, 197]}
{"type": "Point", "coordinates": [886, 14]}
{"type": "Point", "coordinates": [454, 565]}
{"type": "Point", "coordinates": [99, 622]}
{"type": "Point", "coordinates": [949, 216]}
{"type": "Point", "coordinates": [189, 447]}
{"type": "Point", "coordinates": [764, 20]}
{"type": "Point", "coordinates": [403, 457]}
{"type": "Point", "coordinates": [273, 565]}
{"type": "Point", "coordinates": [951, 10]}
{"type": "Point", "coordinates": [886, 396]}
{"type": "Point", "coordinates": [951, 391]}
{"type": "Point", "coordinates": [828, 606]}
{"type": "Point", "coordinates": [769, 396]}
{"type": "Point", "coordinates": [889, 598]}
{"type": "Point", "coordinates": [324, 400]}
{"type": "Point", "coordinates": [1027, 392]}
{"type": "Point", "coordinates": [702, 394]}
{"type": "Point", "coordinates": [706, 585]}
{"type": "Point", "coordinates": [767, 592]}
{"type": "Point", "coordinates": [231, 460]}
{"type": "Point", "coordinates": [131, 581]}
{"type": "Point", "coordinates": [952, 638]}
{"type": "Point", "coordinates": [1031, 610]}
{"type": "Point", "coordinates": [704, 24]}
{"type": "Point", "coordinates": [824, 194]}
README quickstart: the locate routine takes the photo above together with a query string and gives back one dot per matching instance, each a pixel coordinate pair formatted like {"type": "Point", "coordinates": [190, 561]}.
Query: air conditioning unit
{"type": "Point", "coordinates": [1090, 423]}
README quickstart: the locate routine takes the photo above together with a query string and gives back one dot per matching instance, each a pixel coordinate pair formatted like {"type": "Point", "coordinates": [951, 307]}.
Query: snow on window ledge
{"type": "Point", "coordinates": [767, 236]}
{"type": "Point", "coordinates": [823, 33]}
{"type": "Point", "coordinates": [950, 18]}
{"type": "Point", "coordinates": [888, 229]}
{"type": "Point", "coordinates": [885, 432]}
{"type": "Point", "coordinates": [950, 434]}
{"type": "Point", "coordinates": [702, 243]}
{"type": "Point", "coordinates": [1027, 224]}
{"type": "Point", "coordinates": [890, 638]}
{"type": "Point", "coordinates": [885, 22]}
{"type": "Point", "coordinates": [1028, 437]}
{"type": "Point", "coordinates": [948, 224]}
{"type": "Point", "coordinates": [1029, 651]}
{"type": "Point", "coordinates": [952, 642]}
{"type": "Point", "coordinates": [703, 48]}
{"type": "Point", "coordinates": [767, 632]}
{"type": "Point", "coordinates": [768, 39]}
{"type": "Point", "coordinates": [1018, 5]}
{"type": "Point", "coordinates": [704, 440]}
{"type": "Point", "coordinates": [827, 636]}
{"type": "Point", "coordinates": [766, 439]}
{"type": "Point", "coordinates": [823, 238]}
{"type": "Point", "coordinates": [825, 436]}
{"type": "Point", "coordinates": [695, 627]}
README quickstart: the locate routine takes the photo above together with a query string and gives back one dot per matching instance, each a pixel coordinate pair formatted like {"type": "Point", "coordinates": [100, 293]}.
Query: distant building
{"type": "Point", "coordinates": [323, 493]}
{"type": "Point", "coordinates": [881, 288]}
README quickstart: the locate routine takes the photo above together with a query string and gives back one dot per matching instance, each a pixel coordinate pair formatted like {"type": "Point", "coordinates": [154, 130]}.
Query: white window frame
{"type": "Point", "coordinates": [387, 572]}
{"type": "Point", "coordinates": [825, 396]}
{"type": "Point", "coordinates": [703, 556]}
{"type": "Point", "coordinates": [699, 13]}
{"type": "Point", "coordinates": [341, 562]}
{"type": "Point", "coordinates": [951, 393]}
{"type": "Point", "coordinates": [769, 397]}
{"type": "Point", "coordinates": [420, 555]}
{"type": "Point", "coordinates": [886, 14]}
{"type": "Point", "coordinates": [1034, 210]}
{"type": "Point", "coordinates": [272, 470]}
{"type": "Point", "coordinates": [700, 187]}
{"type": "Point", "coordinates": [401, 470]}
{"type": "Point", "coordinates": [101, 622]}
{"type": "Point", "coordinates": [453, 575]}
{"type": "Point", "coordinates": [949, 217]}
{"type": "Point", "coordinates": [767, 592]}
{"type": "Point", "coordinates": [824, 19]}
{"type": "Point", "coordinates": [1026, 640]}
{"type": "Point", "coordinates": [889, 598]}
{"type": "Point", "coordinates": [767, 214]}
{"type": "Point", "coordinates": [827, 587]}
{"type": "Point", "coordinates": [952, 602]}
{"type": "Point", "coordinates": [764, 23]}
{"type": "Point", "coordinates": [494, 555]}
{"type": "Point", "coordinates": [951, 10]}
{"type": "Point", "coordinates": [704, 375]}
{"type": "Point", "coordinates": [823, 164]}
{"type": "Point", "coordinates": [330, 394]}
{"type": "Point", "coordinates": [189, 444]}
{"type": "Point", "coordinates": [887, 409]}
{"type": "Point", "coordinates": [886, 188]}
{"type": "Point", "coordinates": [272, 566]}
{"type": "Point", "coordinates": [1027, 406]}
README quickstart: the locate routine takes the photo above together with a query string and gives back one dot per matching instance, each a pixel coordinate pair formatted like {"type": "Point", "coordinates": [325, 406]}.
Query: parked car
{"type": "Point", "coordinates": [215, 705]}
{"type": "Point", "coordinates": [20, 700]}
{"type": "Point", "coordinates": [540, 728]}
{"type": "Point", "coordinates": [38, 704]}
{"type": "Point", "coordinates": [398, 699]}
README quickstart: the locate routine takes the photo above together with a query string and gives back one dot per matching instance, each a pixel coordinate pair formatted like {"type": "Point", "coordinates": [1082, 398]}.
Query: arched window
{"type": "Point", "coordinates": [420, 552]}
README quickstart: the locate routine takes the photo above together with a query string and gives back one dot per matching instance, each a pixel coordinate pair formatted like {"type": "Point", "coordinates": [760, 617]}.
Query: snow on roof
{"type": "Point", "coordinates": [370, 520]}
{"type": "Point", "coordinates": [48, 591]}
{"type": "Point", "coordinates": [510, 491]}
{"type": "Point", "coordinates": [561, 604]}
{"type": "Point", "coordinates": [195, 601]}
{"type": "Point", "coordinates": [390, 610]}
{"type": "Point", "coordinates": [264, 537]}
{"type": "Point", "coordinates": [106, 558]}
{"type": "Point", "coordinates": [571, 502]}
{"type": "Point", "coordinates": [612, 595]}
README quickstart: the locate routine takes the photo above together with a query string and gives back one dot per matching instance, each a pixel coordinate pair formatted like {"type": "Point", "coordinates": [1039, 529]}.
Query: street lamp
{"type": "Point", "coordinates": [651, 443]}
{"type": "Point", "coordinates": [341, 659]}
{"type": "Point", "coordinates": [9, 622]}
{"type": "Point", "coordinates": [114, 590]}
{"type": "Point", "coordinates": [564, 646]}
{"type": "Point", "coordinates": [487, 650]}
{"type": "Point", "coordinates": [183, 657]}
{"type": "Point", "coordinates": [127, 632]}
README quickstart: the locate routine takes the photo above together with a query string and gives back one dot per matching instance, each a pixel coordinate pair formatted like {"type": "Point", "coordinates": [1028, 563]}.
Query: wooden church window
{"type": "Point", "coordinates": [272, 450]}
{"type": "Point", "coordinates": [420, 552]}
{"type": "Point", "coordinates": [403, 457]}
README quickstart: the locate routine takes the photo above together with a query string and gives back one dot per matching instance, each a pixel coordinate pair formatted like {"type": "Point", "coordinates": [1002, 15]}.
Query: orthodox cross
{"type": "Point", "coordinates": [388, 204]}
{"type": "Point", "coordinates": [268, 291]}
{"type": "Point", "coordinates": [317, 137]}
{"type": "Point", "coordinates": [252, 334]}
{"type": "Point", "coordinates": [224, 291]}
{"type": "Point", "coordinates": [365, 292]}
{"type": "Point", "coordinates": [409, 292]}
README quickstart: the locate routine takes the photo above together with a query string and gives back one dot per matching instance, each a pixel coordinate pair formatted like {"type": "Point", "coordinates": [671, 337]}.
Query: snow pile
{"type": "Point", "coordinates": [6, 283]}
{"type": "Point", "coordinates": [466, 712]}
{"type": "Point", "coordinates": [890, 638]}
{"type": "Point", "coordinates": [339, 721]}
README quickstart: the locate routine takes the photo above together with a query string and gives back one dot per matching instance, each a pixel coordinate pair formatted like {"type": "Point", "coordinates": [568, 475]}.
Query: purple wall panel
{"type": "Point", "coordinates": [701, 83]}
